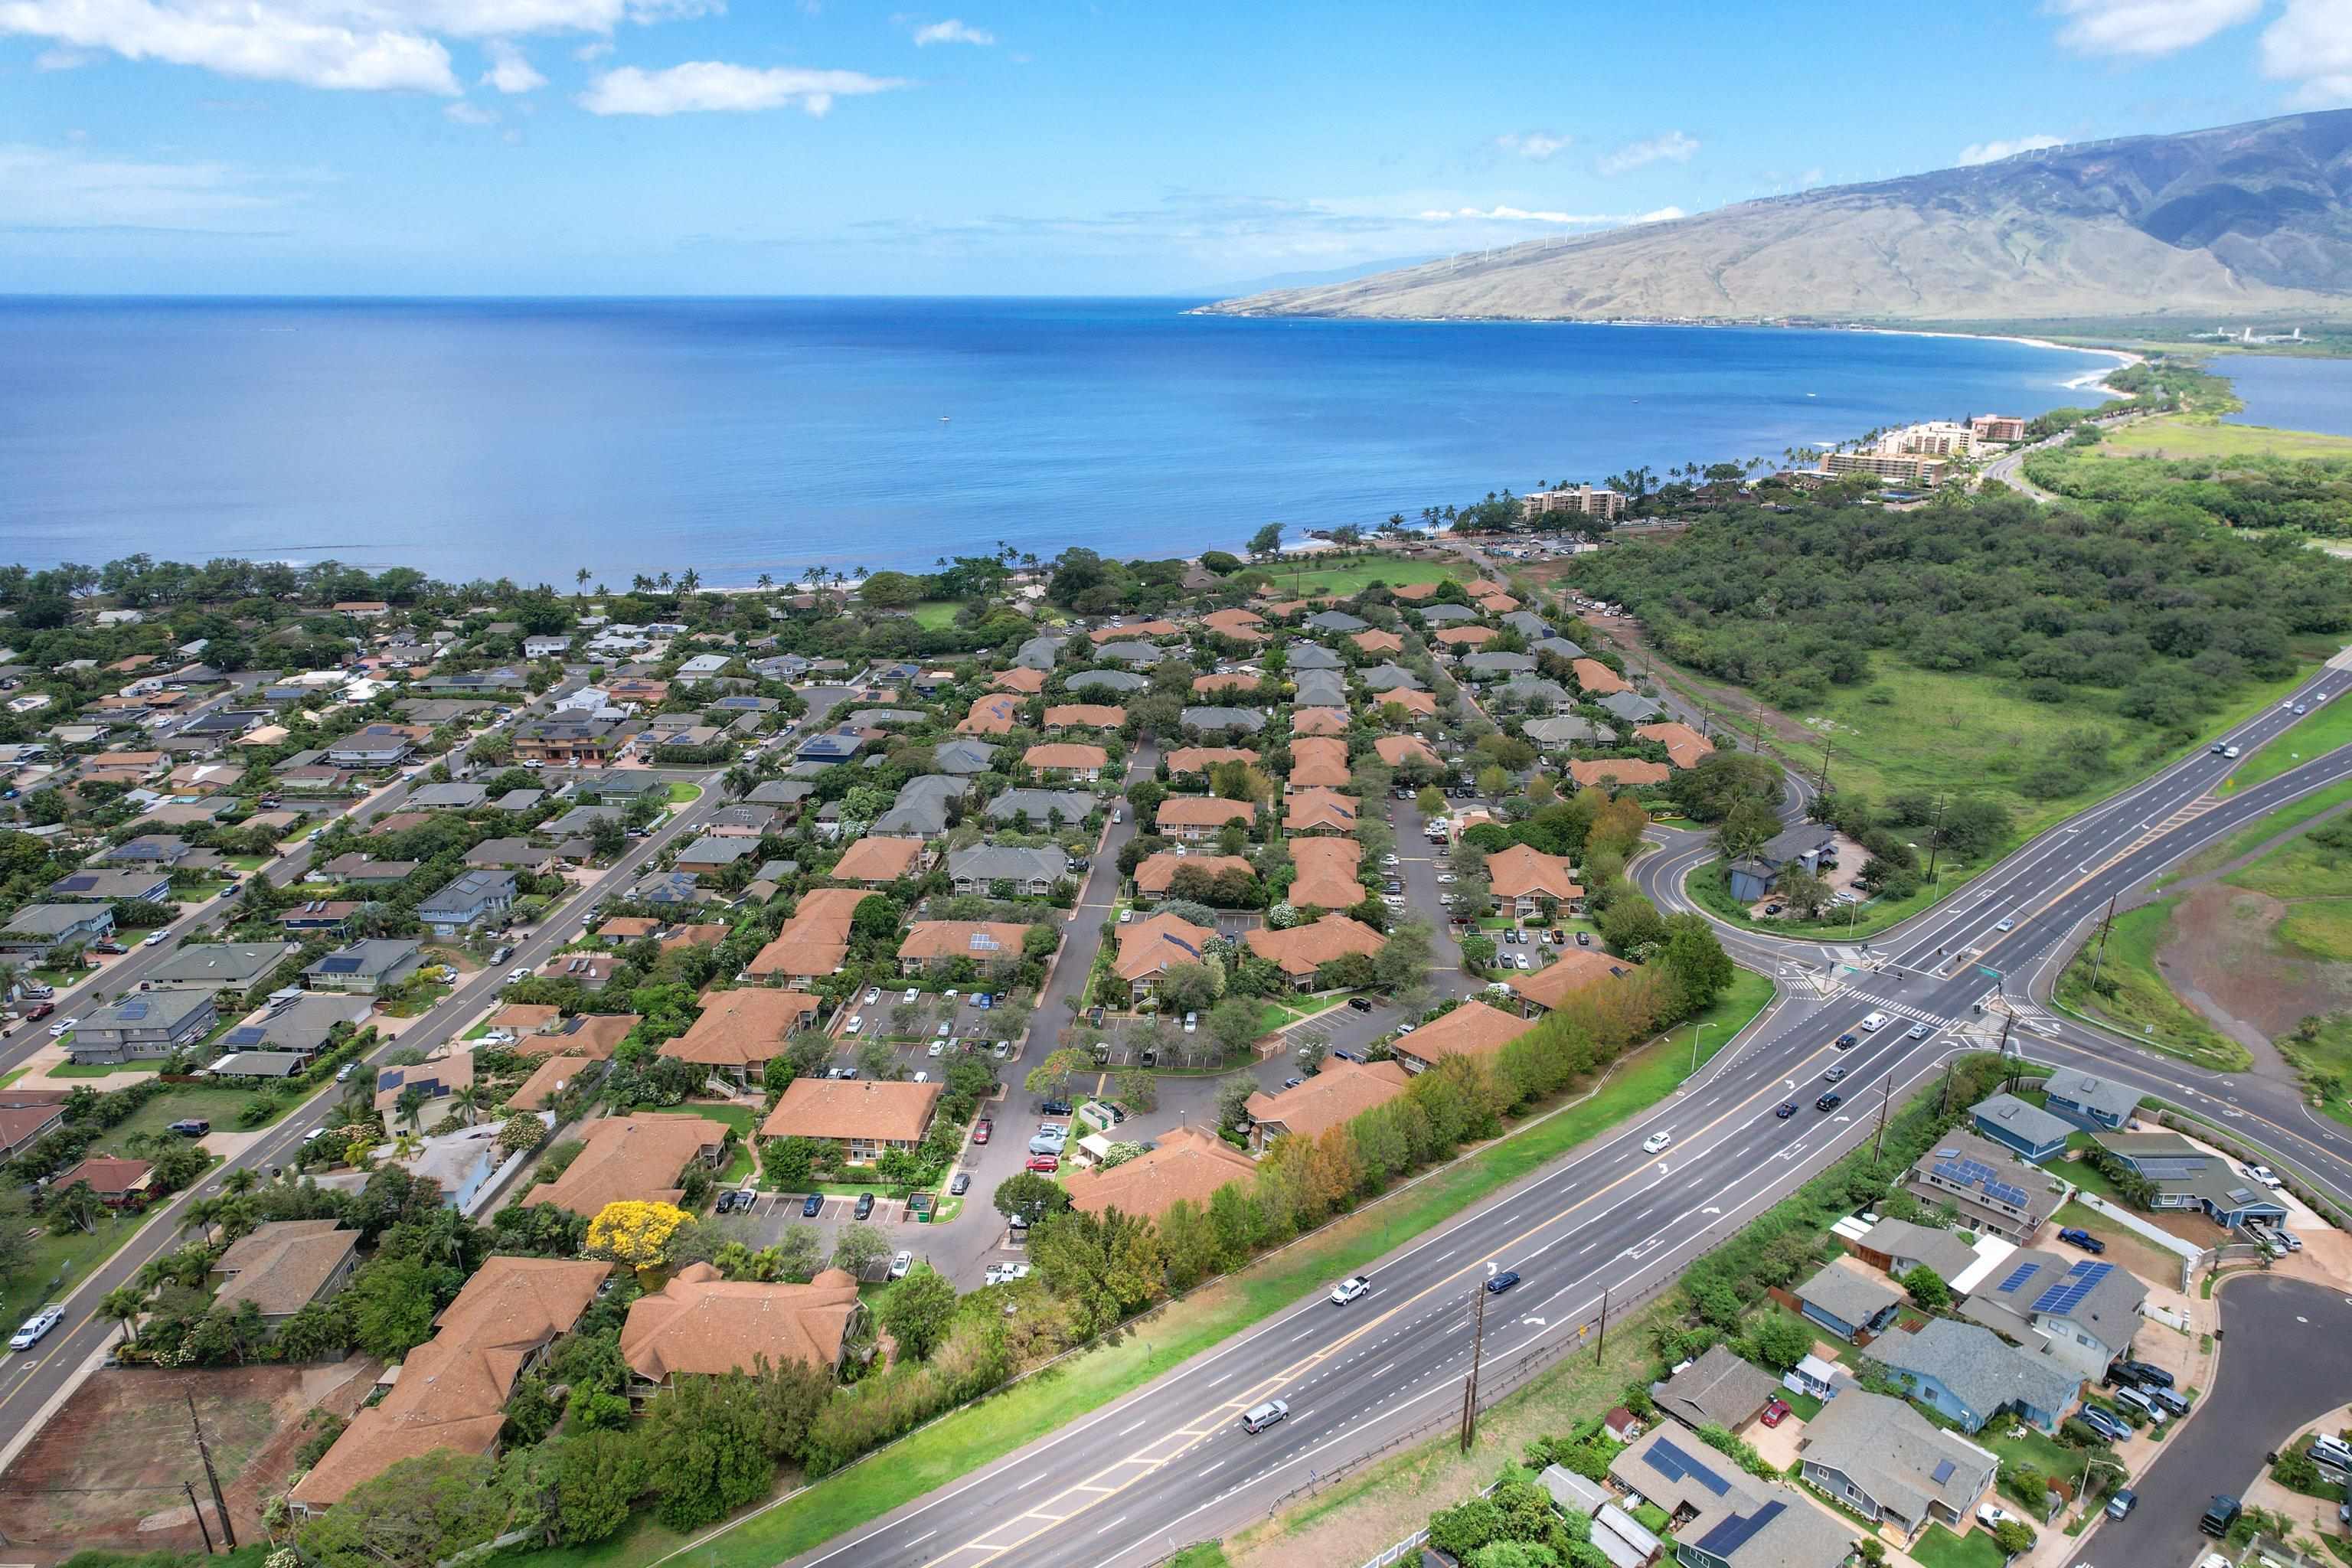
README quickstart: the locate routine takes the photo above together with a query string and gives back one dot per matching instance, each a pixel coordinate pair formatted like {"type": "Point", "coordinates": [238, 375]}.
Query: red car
{"type": "Point", "coordinates": [39, 1010]}
{"type": "Point", "coordinates": [981, 1129]}
{"type": "Point", "coordinates": [1046, 1164]}
{"type": "Point", "coordinates": [1775, 1411]}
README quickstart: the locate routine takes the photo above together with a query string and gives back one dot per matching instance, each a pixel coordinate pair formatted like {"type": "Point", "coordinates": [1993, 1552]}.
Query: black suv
{"type": "Point", "coordinates": [865, 1205]}
{"type": "Point", "coordinates": [1051, 1107]}
{"type": "Point", "coordinates": [1829, 1102]}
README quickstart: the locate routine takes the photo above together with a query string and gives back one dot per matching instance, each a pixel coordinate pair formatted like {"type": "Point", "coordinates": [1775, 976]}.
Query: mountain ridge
{"type": "Point", "coordinates": [2238, 219]}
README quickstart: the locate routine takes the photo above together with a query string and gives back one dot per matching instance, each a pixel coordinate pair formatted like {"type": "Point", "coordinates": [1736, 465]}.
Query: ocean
{"type": "Point", "coordinates": [2290, 394]}
{"type": "Point", "coordinates": [532, 438]}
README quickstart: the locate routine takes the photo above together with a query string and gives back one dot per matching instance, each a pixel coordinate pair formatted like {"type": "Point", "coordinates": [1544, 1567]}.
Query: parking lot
{"type": "Point", "coordinates": [914, 1029]}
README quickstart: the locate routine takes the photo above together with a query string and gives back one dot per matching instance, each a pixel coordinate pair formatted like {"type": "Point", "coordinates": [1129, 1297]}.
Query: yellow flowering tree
{"type": "Point", "coordinates": [635, 1233]}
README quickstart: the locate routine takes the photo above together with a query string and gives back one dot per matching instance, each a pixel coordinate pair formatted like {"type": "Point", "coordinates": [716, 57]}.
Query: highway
{"type": "Point", "coordinates": [31, 1384]}
{"type": "Point", "coordinates": [1170, 1463]}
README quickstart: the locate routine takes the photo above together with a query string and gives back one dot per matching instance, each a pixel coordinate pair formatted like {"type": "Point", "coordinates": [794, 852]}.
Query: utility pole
{"type": "Point", "coordinates": [1829, 744]}
{"type": "Point", "coordinates": [196, 1508]}
{"type": "Point", "coordinates": [1935, 840]}
{"type": "Point", "coordinates": [2006, 1020]}
{"type": "Point", "coordinates": [212, 1477]}
{"type": "Point", "coordinates": [1601, 1343]}
{"type": "Point", "coordinates": [1470, 1383]}
{"type": "Point", "coordinates": [1885, 1098]}
{"type": "Point", "coordinates": [1945, 1108]}
{"type": "Point", "coordinates": [2106, 923]}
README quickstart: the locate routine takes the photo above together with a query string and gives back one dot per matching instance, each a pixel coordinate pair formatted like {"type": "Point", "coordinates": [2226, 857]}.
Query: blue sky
{"type": "Point", "coordinates": [827, 146]}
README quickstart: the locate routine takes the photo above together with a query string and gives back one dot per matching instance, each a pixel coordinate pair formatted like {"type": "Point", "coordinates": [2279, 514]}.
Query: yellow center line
{"type": "Point", "coordinates": [1274, 1382]}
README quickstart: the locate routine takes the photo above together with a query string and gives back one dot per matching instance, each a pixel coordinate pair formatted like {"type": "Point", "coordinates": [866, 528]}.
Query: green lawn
{"type": "Point", "coordinates": [960, 1443]}
{"type": "Point", "coordinates": [2034, 1450]}
{"type": "Point", "coordinates": [1208, 1554]}
{"type": "Point", "coordinates": [1353, 577]}
{"type": "Point", "coordinates": [60, 1263]}
{"type": "Point", "coordinates": [684, 794]}
{"type": "Point", "coordinates": [218, 1104]}
{"type": "Point", "coordinates": [248, 862]}
{"type": "Point", "coordinates": [935, 614]}
{"type": "Point", "coordinates": [2143, 1005]}
{"type": "Point", "coordinates": [2262, 829]}
{"type": "Point", "coordinates": [103, 1069]}
{"type": "Point", "coordinates": [2317, 732]}
{"type": "Point", "coordinates": [1939, 1548]}
{"type": "Point", "coordinates": [2179, 438]}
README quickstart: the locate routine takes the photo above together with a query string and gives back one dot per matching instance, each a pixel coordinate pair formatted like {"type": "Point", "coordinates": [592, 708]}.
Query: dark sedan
{"type": "Point", "coordinates": [1502, 1282]}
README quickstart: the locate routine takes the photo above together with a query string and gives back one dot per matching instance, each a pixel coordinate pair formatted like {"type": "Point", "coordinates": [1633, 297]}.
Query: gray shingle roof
{"type": "Point", "coordinates": [2021, 1119]}
{"type": "Point", "coordinates": [1941, 1251]}
{"type": "Point", "coordinates": [1074, 804]}
{"type": "Point", "coordinates": [1107, 681]}
{"type": "Point", "coordinates": [1848, 1294]}
{"type": "Point", "coordinates": [1632, 706]}
{"type": "Point", "coordinates": [921, 806]}
{"type": "Point", "coordinates": [1445, 615]}
{"type": "Point", "coordinates": [1895, 1453]}
{"type": "Point", "coordinates": [1717, 1390]}
{"type": "Point", "coordinates": [1240, 719]}
{"type": "Point", "coordinates": [1312, 656]}
{"type": "Point", "coordinates": [1007, 862]}
{"type": "Point", "coordinates": [1563, 731]}
{"type": "Point", "coordinates": [1389, 677]}
{"type": "Point", "coordinates": [1337, 621]}
{"type": "Point", "coordinates": [2092, 1092]}
{"type": "Point", "coordinates": [1976, 1364]}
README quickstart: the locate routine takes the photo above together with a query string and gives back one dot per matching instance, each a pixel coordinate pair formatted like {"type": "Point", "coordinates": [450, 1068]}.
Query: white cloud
{"type": "Point", "coordinates": [510, 72]}
{"type": "Point", "coordinates": [2146, 28]}
{"type": "Point", "coordinates": [1554, 219]}
{"type": "Point", "coordinates": [41, 187]}
{"type": "Point", "coordinates": [2311, 45]}
{"type": "Point", "coordinates": [953, 31]}
{"type": "Point", "coordinates": [354, 45]}
{"type": "Point", "coordinates": [596, 51]}
{"type": "Point", "coordinates": [60, 60]}
{"type": "Point", "coordinates": [465, 114]}
{"type": "Point", "coordinates": [1674, 147]}
{"type": "Point", "coordinates": [1537, 146]}
{"type": "Point", "coordinates": [1993, 151]}
{"type": "Point", "coordinates": [714, 85]}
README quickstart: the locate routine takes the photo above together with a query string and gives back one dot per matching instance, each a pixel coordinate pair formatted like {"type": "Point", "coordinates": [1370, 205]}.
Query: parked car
{"type": "Point", "coordinates": [857, 1024]}
{"type": "Point", "coordinates": [39, 1010]}
{"type": "Point", "coordinates": [2121, 1502]}
{"type": "Point", "coordinates": [960, 1185]}
{"type": "Point", "coordinates": [1055, 1107]}
{"type": "Point", "coordinates": [1347, 1290]}
{"type": "Point", "coordinates": [2073, 1236]}
{"type": "Point", "coordinates": [62, 1027]}
{"type": "Point", "coordinates": [813, 1206]}
{"type": "Point", "coordinates": [2107, 1426]}
{"type": "Point", "coordinates": [1584, 938]}
{"type": "Point", "coordinates": [2265, 1175]}
{"type": "Point", "coordinates": [1502, 1282]}
{"type": "Point", "coordinates": [156, 938]}
{"type": "Point", "coordinates": [981, 1130]}
{"type": "Point", "coordinates": [1360, 1003]}
{"type": "Point", "coordinates": [343, 1073]}
{"type": "Point", "coordinates": [1776, 1410]}
{"type": "Point", "coordinates": [2218, 1516]}
{"type": "Point", "coordinates": [2146, 1374]}
{"type": "Point", "coordinates": [865, 1206]}
{"type": "Point", "coordinates": [39, 1324]}
{"type": "Point", "coordinates": [110, 947]}
{"type": "Point", "coordinates": [900, 1264]}
{"type": "Point", "coordinates": [734, 1198]}
{"type": "Point", "coordinates": [873, 994]}
{"type": "Point", "coordinates": [1259, 1418]}
{"type": "Point", "coordinates": [1045, 1164]}
{"type": "Point", "coordinates": [1192, 1022]}
{"type": "Point", "coordinates": [190, 1127]}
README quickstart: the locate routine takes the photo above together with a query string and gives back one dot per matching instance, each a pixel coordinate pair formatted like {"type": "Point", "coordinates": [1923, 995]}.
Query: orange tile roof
{"type": "Point", "coordinates": [1685, 746]}
{"type": "Point", "coordinates": [1465, 637]}
{"type": "Point", "coordinates": [1319, 722]}
{"type": "Point", "coordinates": [744, 1027]}
{"type": "Point", "coordinates": [878, 860]}
{"type": "Point", "coordinates": [1520, 870]}
{"type": "Point", "coordinates": [702, 933]}
{"type": "Point", "coordinates": [700, 1323]}
{"type": "Point", "coordinates": [1186, 1164]}
{"type": "Point", "coordinates": [1154, 629]}
{"type": "Point", "coordinates": [1027, 681]}
{"type": "Point", "coordinates": [1415, 592]}
{"type": "Point", "coordinates": [1473, 1029]}
{"type": "Point", "coordinates": [107, 1176]}
{"type": "Point", "coordinates": [1341, 1091]}
{"type": "Point", "coordinates": [1625, 773]}
{"type": "Point", "coordinates": [638, 1157]}
{"type": "Point", "coordinates": [1201, 759]}
{"type": "Point", "coordinates": [1239, 625]}
{"type": "Point", "coordinates": [992, 714]}
{"type": "Point", "coordinates": [1146, 947]}
{"type": "Point", "coordinates": [593, 1034]}
{"type": "Point", "coordinates": [1204, 810]}
{"type": "Point", "coordinates": [1596, 677]}
{"type": "Point", "coordinates": [1239, 680]}
{"type": "Point", "coordinates": [453, 1388]}
{"type": "Point", "coordinates": [1378, 641]}
{"type": "Point", "coordinates": [1575, 968]}
{"type": "Point", "coordinates": [628, 928]}
{"type": "Point", "coordinates": [1319, 761]}
{"type": "Point", "coordinates": [1311, 808]}
{"type": "Point", "coordinates": [1327, 873]}
{"type": "Point", "coordinates": [1398, 749]}
{"type": "Point", "coordinates": [1482, 586]}
{"type": "Point", "coordinates": [555, 1075]}
{"type": "Point", "coordinates": [1155, 873]}
{"type": "Point", "coordinates": [1421, 703]}
{"type": "Point", "coordinates": [526, 1017]}
{"type": "Point", "coordinates": [862, 1109]}
{"type": "Point", "coordinates": [1064, 754]}
{"type": "Point", "coordinates": [1497, 603]}
{"type": "Point", "coordinates": [815, 940]}
{"type": "Point", "coordinates": [984, 941]}
{"type": "Point", "coordinates": [1303, 950]}
{"type": "Point", "coordinates": [1084, 716]}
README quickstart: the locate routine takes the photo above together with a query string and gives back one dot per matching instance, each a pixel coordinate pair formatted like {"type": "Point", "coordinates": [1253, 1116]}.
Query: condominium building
{"type": "Point", "coordinates": [1909, 470]}
{"type": "Point", "coordinates": [1583, 499]}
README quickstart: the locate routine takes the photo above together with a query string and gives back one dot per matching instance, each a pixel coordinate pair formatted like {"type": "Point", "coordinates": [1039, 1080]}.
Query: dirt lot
{"type": "Point", "coordinates": [2227, 945]}
{"type": "Point", "coordinates": [107, 1469]}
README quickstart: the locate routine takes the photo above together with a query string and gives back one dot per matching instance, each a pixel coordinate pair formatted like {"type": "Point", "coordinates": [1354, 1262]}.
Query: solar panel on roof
{"type": "Point", "coordinates": [1943, 1469]}
{"type": "Point", "coordinates": [340, 964]}
{"type": "Point", "coordinates": [2068, 1292]}
{"type": "Point", "coordinates": [1676, 1464]}
{"type": "Point", "coordinates": [983, 943]}
{"type": "Point", "coordinates": [2018, 1276]}
{"type": "Point", "coordinates": [1730, 1534]}
{"type": "Point", "coordinates": [131, 1012]}
{"type": "Point", "coordinates": [250, 1034]}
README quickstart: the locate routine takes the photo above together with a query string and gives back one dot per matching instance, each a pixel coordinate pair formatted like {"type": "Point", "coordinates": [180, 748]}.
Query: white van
{"type": "Point", "coordinates": [2141, 1403]}
{"type": "Point", "coordinates": [2332, 1451]}
{"type": "Point", "coordinates": [1260, 1417]}
{"type": "Point", "coordinates": [1874, 1023]}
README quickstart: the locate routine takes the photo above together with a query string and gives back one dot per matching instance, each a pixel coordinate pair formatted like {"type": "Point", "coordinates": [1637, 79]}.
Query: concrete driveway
{"type": "Point", "coordinates": [2286, 1358]}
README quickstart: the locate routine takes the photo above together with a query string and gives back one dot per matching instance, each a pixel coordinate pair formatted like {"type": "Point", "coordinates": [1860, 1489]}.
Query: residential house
{"type": "Point", "coordinates": [1302, 951]}
{"type": "Point", "coordinates": [454, 1388]}
{"type": "Point", "coordinates": [366, 872]}
{"type": "Point", "coordinates": [866, 1117]}
{"type": "Point", "coordinates": [569, 740]}
{"type": "Point", "coordinates": [1238, 682]}
{"type": "Point", "coordinates": [1038, 652]}
{"type": "Point", "coordinates": [594, 1036]}
{"type": "Point", "coordinates": [283, 1266]}
{"type": "Point", "coordinates": [813, 942]}
{"type": "Point", "coordinates": [1898, 1246]}
{"type": "Point", "coordinates": [741, 1031]}
{"type": "Point", "coordinates": [370, 967]}
{"type": "Point", "coordinates": [963, 758]}
{"type": "Point", "coordinates": [1407, 751]}
{"type": "Point", "coordinates": [1632, 707]}
{"type": "Point", "coordinates": [2079, 1313]}
{"type": "Point", "coordinates": [1148, 947]}
{"type": "Point", "coordinates": [1721, 1516]}
{"type": "Point", "coordinates": [1416, 704]}
{"type": "Point", "coordinates": [1331, 720]}
{"type": "Point", "coordinates": [160, 851]}
{"type": "Point", "coordinates": [2093, 1103]}
{"type": "Point", "coordinates": [144, 1024]}
{"type": "Point", "coordinates": [28, 1116]}
{"type": "Point", "coordinates": [423, 1084]}
{"type": "Point", "coordinates": [551, 1079]}
{"type": "Point", "coordinates": [1337, 1093]}
{"type": "Point", "coordinates": [667, 891]}
{"type": "Point", "coordinates": [931, 946]}
{"type": "Point", "coordinates": [637, 1158]}
{"type": "Point", "coordinates": [1066, 762]}
{"type": "Point", "coordinates": [451, 796]}
{"type": "Point", "coordinates": [330, 916]}
{"type": "Point", "coordinates": [1337, 621]}
{"type": "Point", "coordinates": [1986, 1185]}
{"type": "Point", "coordinates": [1458, 637]}
{"type": "Point", "coordinates": [1805, 845]}
{"type": "Point", "coordinates": [1241, 626]}
{"type": "Point", "coordinates": [113, 887]}
{"type": "Point", "coordinates": [1523, 880]}
{"type": "Point", "coordinates": [744, 821]}
{"type": "Point", "coordinates": [1617, 773]}
{"type": "Point", "coordinates": [926, 808]}
{"type": "Point", "coordinates": [1029, 873]}
{"type": "Point", "coordinates": [36, 930]}
{"type": "Point", "coordinates": [1497, 666]}
{"type": "Point", "coordinates": [1320, 811]}
{"type": "Point", "coordinates": [1315, 688]}
{"type": "Point", "coordinates": [1848, 1300]}
{"type": "Point", "coordinates": [1595, 678]}
{"type": "Point", "coordinates": [1185, 759]}
{"type": "Point", "coordinates": [1686, 747]}
{"type": "Point", "coordinates": [1447, 614]}
{"type": "Point", "coordinates": [1622, 1541]}
{"type": "Point", "coordinates": [375, 746]}
{"type": "Point", "coordinates": [301, 1026]}
{"type": "Point", "coordinates": [1968, 1374]}
{"type": "Point", "coordinates": [589, 970]}
{"type": "Point", "coordinates": [510, 853]}
{"type": "Point", "coordinates": [1306, 656]}
{"type": "Point", "coordinates": [1893, 1466]}
{"type": "Point", "coordinates": [1190, 818]}
{"type": "Point", "coordinates": [1065, 716]}
{"type": "Point", "coordinates": [216, 965]}
{"type": "Point", "coordinates": [1113, 680]}
{"type": "Point", "coordinates": [2023, 1126]}
{"type": "Point", "coordinates": [710, 853]}
{"type": "Point", "coordinates": [1534, 694]}
{"type": "Point", "coordinates": [992, 713]}
{"type": "Point", "coordinates": [1186, 1164]}
{"type": "Point", "coordinates": [1213, 720]}
{"type": "Point", "coordinates": [1155, 874]}
{"type": "Point", "coordinates": [1325, 873]}
{"type": "Point", "coordinates": [2188, 1177]}
{"type": "Point", "coordinates": [1318, 762]}
{"type": "Point", "coordinates": [699, 1324]}
{"type": "Point", "coordinates": [468, 899]}
{"type": "Point", "coordinates": [1472, 1029]}
{"type": "Point", "coordinates": [878, 862]}
{"type": "Point", "coordinates": [1021, 679]}
{"type": "Point", "coordinates": [1718, 1389]}
{"type": "Point", "coordinates": [119, 1184]}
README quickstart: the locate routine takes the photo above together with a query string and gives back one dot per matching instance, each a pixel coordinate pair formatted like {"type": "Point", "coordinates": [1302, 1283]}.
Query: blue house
{"type": "Point", "coordinates": [2095, 1104]}
{"type": "Point", "coordinates": [1802, 845]}
{"type": "Point", "coordinates": [1848, 1302]}
{"type": "Point", "coordinates": [2020, 1125]}
{"type": "Point", "coordinates": [2188, 1177]}
{"type": "Point", "coordinates": [1969, 1375]}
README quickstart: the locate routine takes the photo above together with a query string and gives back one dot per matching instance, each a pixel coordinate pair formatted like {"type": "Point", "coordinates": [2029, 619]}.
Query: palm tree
{"type": "Point", "coordinates": [767, 578]}
{"type": "Point", "coordinates": [580, 579]}
{"type": "Point", "coordinates": [202, 1213]}
{"type": "Point", "coordinates": [740, 781]}
{"type": "Point", "coordinates": [242, 1180]}
{"type": "Point", "coordinates": [410, 1107]}
{"type": "Point", "coordinates": [688, 581]}
{"type": "Point", "coordinates": [123, 1304]}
